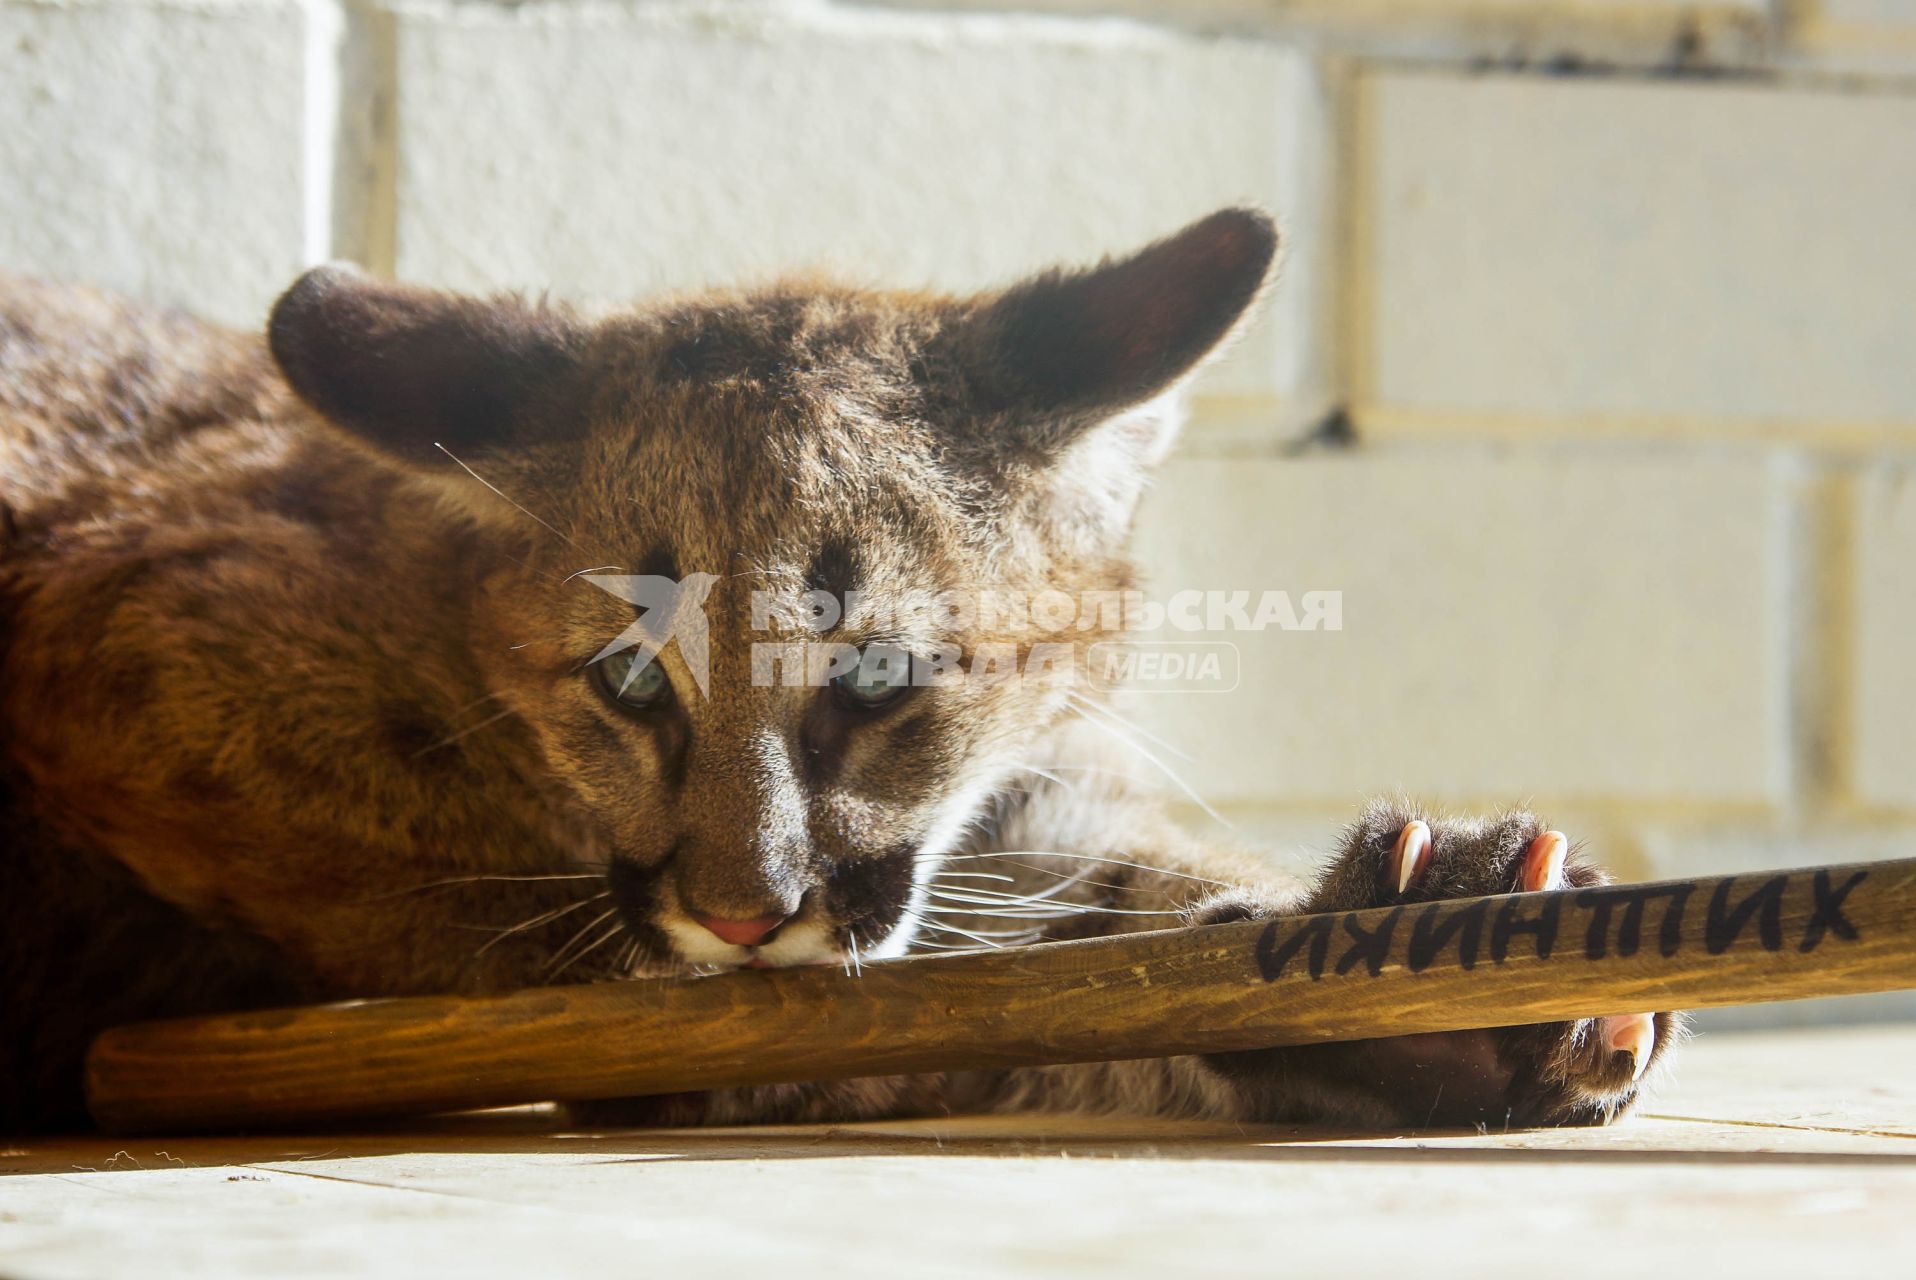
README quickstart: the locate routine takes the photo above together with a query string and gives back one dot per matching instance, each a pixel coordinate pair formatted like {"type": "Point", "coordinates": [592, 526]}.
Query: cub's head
{"type": "Point", "coordinates": [792, 581]}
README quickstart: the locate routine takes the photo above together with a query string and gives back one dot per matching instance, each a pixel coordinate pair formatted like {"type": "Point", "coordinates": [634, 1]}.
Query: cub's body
{"type": "Point", "coordinates": [303, 692]}
{"type": "Point", "coordinates": [201, 601]}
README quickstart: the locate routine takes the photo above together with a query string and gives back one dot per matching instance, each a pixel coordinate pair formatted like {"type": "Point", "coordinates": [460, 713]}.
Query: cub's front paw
{"type": "Point", "coordinates": [1585, 1072]}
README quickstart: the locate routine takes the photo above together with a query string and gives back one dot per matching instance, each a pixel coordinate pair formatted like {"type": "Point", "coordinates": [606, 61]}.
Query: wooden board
{"type": "Point", "coordinates": [1451, 964]}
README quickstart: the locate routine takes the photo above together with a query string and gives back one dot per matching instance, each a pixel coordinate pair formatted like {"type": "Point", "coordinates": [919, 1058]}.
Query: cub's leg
{"type": "Point", "coordinates": [1583, 1072]}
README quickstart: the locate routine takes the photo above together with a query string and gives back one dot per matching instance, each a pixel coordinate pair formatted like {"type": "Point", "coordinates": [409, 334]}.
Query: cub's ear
{"type": "Point", "coordinates": [421, 373]}
{"type": "Point", "coordinates": [1059, 386]}
{"type": "Point", "coordinates": [1051, 356]}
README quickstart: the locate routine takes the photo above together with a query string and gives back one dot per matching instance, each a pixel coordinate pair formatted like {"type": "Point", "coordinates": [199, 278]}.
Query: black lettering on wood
{"type": "Point", "coordinates": [1373, 948]}
{"type": "Point", "coordinates": [1725, 923]}
{"type": "Point", "coordinates": [1670, 935]}
{"type": "Point", "coordinates": [1633, 899]}
{"type": "Point", "coordinates": [1437, 924]}
{"type": "Point", "coordinates": [1508, 925]}
{"type": "Point", "coordinates": [1828, 915]}
{"type": "Point", "coordinates": [1273, 955]}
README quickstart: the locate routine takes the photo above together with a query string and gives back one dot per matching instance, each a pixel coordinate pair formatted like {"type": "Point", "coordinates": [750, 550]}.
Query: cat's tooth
{"type": "Point", "coordinates": [1413, 847]}
{"type": "Point", "coordinates": [1631, 1033]}
{"type": "Point", "coordinates": [1543, 862]}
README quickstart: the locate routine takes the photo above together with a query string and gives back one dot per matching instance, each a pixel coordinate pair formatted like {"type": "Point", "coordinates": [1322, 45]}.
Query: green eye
{"type": "Point", "coordinates": [882, 676]}
{"type": "Point", "coordinates": [645, 687]}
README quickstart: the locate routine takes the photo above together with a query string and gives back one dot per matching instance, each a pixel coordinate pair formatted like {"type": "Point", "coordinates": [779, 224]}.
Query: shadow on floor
{"type": "Point", "coordinates": [1655, 1139]}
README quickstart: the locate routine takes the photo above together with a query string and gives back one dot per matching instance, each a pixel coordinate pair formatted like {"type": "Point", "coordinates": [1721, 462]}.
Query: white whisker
{"type": "Point", "coordinates": [463, 733]}
{"type": "Point", "coordinates": [495, 488]}
{"type": "Point", "coordinates": [1091, 857]}
{"type": "Point", "coordinates": [989, 933]}
{"type": "Point", "coordinates": [553, 965]}
{"type": "Point", "coordinates": [1064, 883]}
{"type": "Point", "coordinates": [536, 921]}
{"type": "Point", "coordinates": [1061, 910]}
{"type": "Point", "coordinates": [1105, 709]}
{"type": "Point", "coordinates": [1144, 751]}
{"type": "Point", "coordinates": [607, 936]}
{"type": "Point", "coordinates": [1010, 911]}
{"type": "Point", "coordinates": [1045, 774]}
{"type": "Point", "coordinates": [597, 568]}
{"type": "Point", "coordinates": [484, 697]}
{"type": "Point", "coordinates": [441, 884]}
{"type": "Point", "coordinates": [1080, 877]}
{"type": "Point", "coordinates": [963, 933]}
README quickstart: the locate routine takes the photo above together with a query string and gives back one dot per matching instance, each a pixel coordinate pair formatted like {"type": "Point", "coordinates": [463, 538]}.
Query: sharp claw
{"type": "Point", "coordinates": [1543, 862]}
{"type": "Point", "coordinates": [1413, 850]}
{"type": "Point", "coordinates": [1631, 1033]}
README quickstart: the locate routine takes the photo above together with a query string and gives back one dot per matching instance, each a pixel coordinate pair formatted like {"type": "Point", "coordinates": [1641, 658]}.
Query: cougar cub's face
{"type": "Point", "coordinates": [681, 494]}
{"type": "Point", "coordinates": [743, 818]}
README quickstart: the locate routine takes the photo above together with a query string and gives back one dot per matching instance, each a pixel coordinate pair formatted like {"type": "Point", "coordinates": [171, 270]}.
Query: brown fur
{"type": "Point", "coordinates": [297, 702]}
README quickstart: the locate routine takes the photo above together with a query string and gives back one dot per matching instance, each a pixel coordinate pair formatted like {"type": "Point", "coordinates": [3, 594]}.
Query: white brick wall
{"type": "Point", "coordinates": [1631, 33]}
{"type": "Point", "coordinates": [155, 148]}
{"type": "Point", "coordinates": [619, 150]}
{"type": "Point", "coordinates": [1569, 626]}
{"type": "Point", "coordinates": [1857, 35]}
{"type": "Point", "coordinates": [1631, 352]}
{"type": "Point", "coordinates": [1883, 672]}
{"type": "Point", "coordinates": [1622, 249]}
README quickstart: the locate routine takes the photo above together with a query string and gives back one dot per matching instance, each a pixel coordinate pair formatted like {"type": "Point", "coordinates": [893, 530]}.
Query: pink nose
{"type": "Point", "coordinates": [741, 933]}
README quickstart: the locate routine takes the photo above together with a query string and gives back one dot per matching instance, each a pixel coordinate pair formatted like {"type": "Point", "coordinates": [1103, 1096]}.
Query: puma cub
{"type": "Point", "coordinates": [323, 672]}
